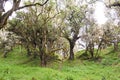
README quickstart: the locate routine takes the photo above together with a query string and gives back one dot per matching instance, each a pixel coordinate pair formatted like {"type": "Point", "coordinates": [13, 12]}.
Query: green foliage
{"type": "Point", "coordinates": [12, 69]}
{"type": "Point", "coordinates": [36, 31]}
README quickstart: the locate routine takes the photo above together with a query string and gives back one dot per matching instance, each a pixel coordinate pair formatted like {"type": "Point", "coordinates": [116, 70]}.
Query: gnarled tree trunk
{"type": "Point", "coordinates": [43, 59]}
{"type": "Point", "coordinates": [72, 44]}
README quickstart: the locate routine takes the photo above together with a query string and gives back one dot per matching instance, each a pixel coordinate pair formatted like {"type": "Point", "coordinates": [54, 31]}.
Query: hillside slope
{"type": "Point", "coordinates": [14, 68]}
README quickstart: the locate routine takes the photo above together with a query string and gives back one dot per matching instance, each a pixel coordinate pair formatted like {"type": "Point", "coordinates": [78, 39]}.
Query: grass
{"type": "Point", "coordinates": [14, 68]}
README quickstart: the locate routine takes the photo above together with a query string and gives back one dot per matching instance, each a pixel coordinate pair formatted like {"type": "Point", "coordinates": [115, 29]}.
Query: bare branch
{"type": "Point", "coordinates": [117, 4]}
{"type": "Point", "coordinates": [5, 16]}
{"type": "Point", "coordinates": [29, 5]}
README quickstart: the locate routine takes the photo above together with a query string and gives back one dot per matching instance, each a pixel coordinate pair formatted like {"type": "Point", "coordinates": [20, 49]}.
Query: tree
{"type": "Point", "coordinates": [37, 32]}
{"type": "Point", "coordinates": [7, 42]}
{"type": "Point", "coordinates": [72, 22]}
{"type": "Point", "coordinates": [91, 38]}
{"type": "Point", "coordinates": [15, 6]}
{"type": "Point", "coordinates": [111, 35]}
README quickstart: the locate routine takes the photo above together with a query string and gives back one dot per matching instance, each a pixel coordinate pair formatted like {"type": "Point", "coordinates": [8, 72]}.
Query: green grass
{"type": "Point", "coordinates": [17, 67]}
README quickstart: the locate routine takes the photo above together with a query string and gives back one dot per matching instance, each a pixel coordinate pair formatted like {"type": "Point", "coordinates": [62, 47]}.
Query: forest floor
{"type": "Point", "coordinates": [17, 67]}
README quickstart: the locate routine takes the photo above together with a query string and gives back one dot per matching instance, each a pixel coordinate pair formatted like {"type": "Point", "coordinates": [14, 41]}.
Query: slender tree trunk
{"type": "Point", "coordinates": [99, 48]}
{"type": "Point", "coordinates": [86, 50]}
{"type": "Point", "coordinates": [72, 44]}
{"type": "Point", "coordinates": [28, 52]}
{"type": "Point", "coordinates": [91, 49]}
{"type": "Point", "coordinates": [116, 46]}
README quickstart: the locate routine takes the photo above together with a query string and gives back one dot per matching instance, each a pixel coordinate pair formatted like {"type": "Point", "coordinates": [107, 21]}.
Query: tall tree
{"type": "Point", "coordinates": [73, 20]}
{"type": "Point", "coordinates": [37, 32]}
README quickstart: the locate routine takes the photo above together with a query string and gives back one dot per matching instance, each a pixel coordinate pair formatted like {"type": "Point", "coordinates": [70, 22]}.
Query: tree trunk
{"type": "Point", "coordinates": [43, 59]}
{"type": "Point", "coordinates": [34, 55]}
{"type": "Point", "coordinates": [116, 46]}
{"type": "Point", "coordinates": [72, 44]}
{"type": "Point", "coordinates": [86, 50]}
{"type": "Point", "coordinates": [5, 54]}
{"type": "Point", "coordinates": [28, 52]}
{"type": "Point", "coordinates": [1, 6]}
{"type": "Point", "coordinates": [99, 48]}
{"type": "Point", "coordinates": [91, 49]}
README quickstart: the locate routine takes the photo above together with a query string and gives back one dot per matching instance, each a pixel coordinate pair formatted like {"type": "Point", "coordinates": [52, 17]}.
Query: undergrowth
{"type": "Point", "coordinates": [16, 67]}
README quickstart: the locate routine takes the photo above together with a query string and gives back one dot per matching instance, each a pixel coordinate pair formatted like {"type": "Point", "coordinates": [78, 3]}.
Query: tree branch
{"type": "Point", "coordinates": [55, 50]}
{"type": "Point", "coordinates": [117, 4]}
{"type": "Point", "coordinates": [29, 5]}
{"type": "Point", "coordinates": [5, 16]}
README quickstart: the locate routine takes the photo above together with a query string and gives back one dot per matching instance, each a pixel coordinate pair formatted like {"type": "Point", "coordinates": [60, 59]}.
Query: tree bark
{"type": "Point", "coordinates": [43, 60]}
{"type": "Point", "coordinates": [28, 51]}
{"type": "Point", "coordinates": [72, 44]}
{"type": "Point", "coordinates": [116, 46]}
{"type": "Point", "coordinates": [91, 49]}
{"type": "Point", "coordinates": [99, 48]}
